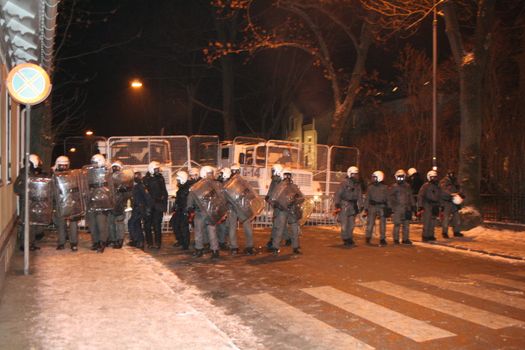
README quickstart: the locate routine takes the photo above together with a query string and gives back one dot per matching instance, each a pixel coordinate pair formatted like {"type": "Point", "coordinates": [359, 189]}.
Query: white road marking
{"type": "Point", "coordinates": [465, 312]}
{"type": "Point", "coordinates": [298, 322]}
{"type": "Point", "coordinates": [475, 291]}
{"type": "Point", "coordinates": [497, 280]}
{"type": "Point", "coordinates": [396, 322]}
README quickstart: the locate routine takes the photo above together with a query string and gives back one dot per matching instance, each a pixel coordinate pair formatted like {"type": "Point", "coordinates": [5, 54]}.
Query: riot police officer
{"type": "Point", "coordinates": [429, 202]}
{"type": "Point", "coordinates": [402, 202]}
{"type": "Point", "coordinates": [98, 207]}
{"type": "Point", "coordinates": [376, 204]}
{"type": "Point", "coordinates": [202, 226]}
{"type": "Point", "coordinates": [277, 170]}
{"type": "Point", "coordinates": [452, 197]}
{"type": "Point", "coordinates": [62, 165]}
{"type": "Point", "coordinates": [123, 184]}
{"type": "Point", "coordinates": [141, 204]}
{"type": "Point", "coordinates": [156, 186]}
{"type": "Point", "coordinates": [348, 203]}
{"type": "Point", "coordinates": [35, 169]}
{"type": "Point", "coordinates": [287, 212]}
{"type": "Point", "coordinates": [180, 222]}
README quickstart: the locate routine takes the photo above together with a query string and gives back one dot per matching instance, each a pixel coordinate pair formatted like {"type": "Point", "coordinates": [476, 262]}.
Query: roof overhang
{"type": "Point", "coordinates": [27, 32]}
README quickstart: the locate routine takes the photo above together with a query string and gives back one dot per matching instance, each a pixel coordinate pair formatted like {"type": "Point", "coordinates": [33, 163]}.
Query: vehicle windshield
{"type": "Point", "coordinates": [141, 152]}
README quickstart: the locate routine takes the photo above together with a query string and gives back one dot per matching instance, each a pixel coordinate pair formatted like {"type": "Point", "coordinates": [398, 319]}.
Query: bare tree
{"type": "Point", "coordinates": [309, 26]}
{"type": "Point", "coordinates": [470, 52]}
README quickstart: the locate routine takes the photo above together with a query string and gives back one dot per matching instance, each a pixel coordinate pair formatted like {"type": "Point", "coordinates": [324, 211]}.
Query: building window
{"type": "Point", "coordinates": [8, 139]}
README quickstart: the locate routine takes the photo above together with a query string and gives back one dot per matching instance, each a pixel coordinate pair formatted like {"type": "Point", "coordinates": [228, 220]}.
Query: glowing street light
{"type": "Point", "coordinates": [72, 150]}
{"type": "Point", "coordinates": [136, 84]}
{"type": "Point", "coordinates": [89, 133]}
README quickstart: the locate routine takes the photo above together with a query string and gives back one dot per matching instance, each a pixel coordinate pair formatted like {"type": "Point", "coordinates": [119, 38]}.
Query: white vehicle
{"type": "Point", "coordinates": [174, 153]}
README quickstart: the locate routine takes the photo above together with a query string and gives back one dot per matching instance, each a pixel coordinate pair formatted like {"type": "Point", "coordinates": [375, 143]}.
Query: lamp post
{"type": "Point", "coordinates": [434, 88]}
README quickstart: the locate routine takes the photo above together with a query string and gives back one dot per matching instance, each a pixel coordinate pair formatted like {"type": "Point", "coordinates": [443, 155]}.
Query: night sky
{"type": "Point", "coordinates": [103, 45]}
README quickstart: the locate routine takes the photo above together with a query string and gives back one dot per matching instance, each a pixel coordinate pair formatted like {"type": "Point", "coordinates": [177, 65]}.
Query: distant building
{"type": "Point", "coordinates": [27, 30]}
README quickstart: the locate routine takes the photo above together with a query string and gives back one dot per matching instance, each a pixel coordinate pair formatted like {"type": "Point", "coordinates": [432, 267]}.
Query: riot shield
{"type": "Point", "coordinates": [305, 208]}
{"type": "Point", "coordinates": [123, 187]}
{"type": "Point", "coordinates": [97, 188]}
{"type": "Point", "coordinates": [211, 201]}
{"type": "Point", "coordinates": [246, 203]}
{"type": "Point", "coordinates": [285, 195]}
{"type": "Point", "coordinates": [40, 200]}
{"type": "Point", "coordinates": [68, 196]}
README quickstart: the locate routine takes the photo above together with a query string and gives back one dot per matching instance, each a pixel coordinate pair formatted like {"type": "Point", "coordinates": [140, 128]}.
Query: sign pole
{"type": "Point", "coordinates": [26, 189]}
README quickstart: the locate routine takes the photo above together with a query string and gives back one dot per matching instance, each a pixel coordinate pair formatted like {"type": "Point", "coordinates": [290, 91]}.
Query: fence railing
{"type": "Point", "coordinates": [503, 208]}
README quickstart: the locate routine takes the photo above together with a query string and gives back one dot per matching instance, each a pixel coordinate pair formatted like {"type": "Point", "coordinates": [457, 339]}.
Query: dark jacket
{"type": "Point", "coordinates": [415, 181]}
{"type": "Point", "coordinates": [349, 197]}
{"type": "Point", "coordinates": [377, 195]}
{"type": "Point", "coordinates": [156, 187]}
{"type": "Point", "coordinates": [181, 199]}
{"type": "Point", "coordinates": [140, 198]}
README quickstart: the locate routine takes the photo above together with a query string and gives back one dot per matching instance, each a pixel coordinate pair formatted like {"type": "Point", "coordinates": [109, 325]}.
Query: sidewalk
{"type": "Point", "coordinates": [122, 299]}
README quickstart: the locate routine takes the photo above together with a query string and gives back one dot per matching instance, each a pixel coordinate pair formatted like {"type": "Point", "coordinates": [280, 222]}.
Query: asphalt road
{"type": "Point", "coordinates": [330, 297]}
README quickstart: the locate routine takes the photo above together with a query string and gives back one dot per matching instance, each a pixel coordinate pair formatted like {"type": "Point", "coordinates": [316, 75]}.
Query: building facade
{"type": "Point", "coordinates": [27, 32]}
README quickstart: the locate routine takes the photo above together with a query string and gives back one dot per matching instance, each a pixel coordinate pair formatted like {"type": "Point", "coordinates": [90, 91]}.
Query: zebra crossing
{"type": "Point", "coordinates": [418, 329]}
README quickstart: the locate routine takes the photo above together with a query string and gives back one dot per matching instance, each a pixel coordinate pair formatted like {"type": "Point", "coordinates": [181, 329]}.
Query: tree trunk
{"type": "Point", "coordinates": [342, 111]}
{"type": "Point", "coordinates": [228, 86]}
{"type": "Point", "coordinates": [470, 99]}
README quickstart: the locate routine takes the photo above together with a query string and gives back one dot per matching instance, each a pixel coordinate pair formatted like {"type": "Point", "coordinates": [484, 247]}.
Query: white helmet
{"type": "Point", "coordinates": [152, 166]}
{"type": "Point", "coordinates": [35, 160]}
{"type": "Point", "coordinates": [400, 172]}
{"type": "Point", "coordinates": [62, 160]}
{"type": "Point", "coordinates": [277, 169]}
{"type": "Point", "coordinates": [457, 199]}
{"type": "Point", "coordinates": [379, 175]}
{"type": "Point", "coordinates": [353, 170]}
{"type": "Point", "coordinates": [182, 177]}
{"type": "Point", "coordinates": [286, 171]}
{"type": "Point", "coordinates": [118, 164]}
{"type": "Point", "coordinates": [194, 172]}
{"type": "Point", "coordinates": [98, 160]}
{"type": "Point", "coordinates": [226, 173]}
{"type": "Point", "coordinates": [412, 171]}
{"type": "Point", "coordinates": [235, 168]}
{"type": "Point", "coordinates": [205, 170]}
{"type": "Point", "coordinates": [431, 173]}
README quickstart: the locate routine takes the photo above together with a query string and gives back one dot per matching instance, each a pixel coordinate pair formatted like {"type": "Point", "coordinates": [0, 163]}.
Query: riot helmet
{"type": "Point", "coordinates": [277, 170]}
{"type": "Point", "coordinates": [400, 176]}
{"type": "Point", "coordinates": [154, 167]}
{"type": "Point", "coordinates": [62, 163]}
{"type": "Point", "coordinates": [432, 176]}
{"type": "Point", "coordinates": [378, 176]}
{"type": "Point", "coordinates": [412, 171]}
{"type": "Point", "coordinates": [286, 173]}
{"type": "Point", "coordinates": [98, 160]}
{"type": "Point", "coordinates": [352, 172]}
{"type": "Point", "coordinates": [225, 174]}
{"type": "Point", "coordinates": [235, 168]}
{"type": "Point", "coordinates": [117, 166]}
{"type": "Point", "coordinates": [182, 177]}
{"type": "Point", "coordinates": [206, 172]}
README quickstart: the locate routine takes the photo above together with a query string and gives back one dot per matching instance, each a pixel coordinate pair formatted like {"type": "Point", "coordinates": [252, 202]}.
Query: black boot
{"type": "Point", "coordinates": [288, 242]}
{"type": "Point", "coordinates": [101, 247]}
{"type": "Point", "coordinates": [269, 245]}
{"type": "Point", "coordinates": [74, 247]}
{"type": "Point", "coordinates": [396, 241]}
{"type": "Point", "coordinates": [139, 245]}
{"type": "Point", "coordinates": [445, 235]}
{"type": "Point", "coordinates": [223, 246]}
{"type": "Point", "coordinates": [118, 244]}
{"type": "Point", "coordinates": [94, 246]}
{"type": "Point", "coordinates": [198, 253]}
{"type": "Point", "coordinates": [382, 241]}
{"type": "Point", "coordinates": [297, 251]}
{"type": "Point", "coordinates": [368, 240]}
{"type": "Point", "coordinates": [458, 234]}
{"type": "Point", "coordinates": [60, 247]}
{"type": "Point", "coordinates": [214, 254]}
{"type": "Point", "coordinates": [407, 241]}
{"type": "Point", "coordinates": [131, 243]}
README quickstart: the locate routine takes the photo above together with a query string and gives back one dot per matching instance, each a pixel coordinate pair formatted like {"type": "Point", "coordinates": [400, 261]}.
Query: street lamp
{"type": "Point", "coordinates": [136, 84]}
{"type": "Point", "coordinates": [89, 133]}
{"type": "Point", "coordinates": [72, 150]}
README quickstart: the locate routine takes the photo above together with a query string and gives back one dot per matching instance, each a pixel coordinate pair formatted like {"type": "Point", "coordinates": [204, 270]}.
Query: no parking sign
{"type": "Point", "coordinates": [28, 84]}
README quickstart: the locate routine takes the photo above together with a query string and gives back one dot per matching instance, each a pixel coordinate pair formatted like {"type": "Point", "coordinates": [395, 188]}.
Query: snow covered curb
{"type": "Point", "coordinates": [231, 325]}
